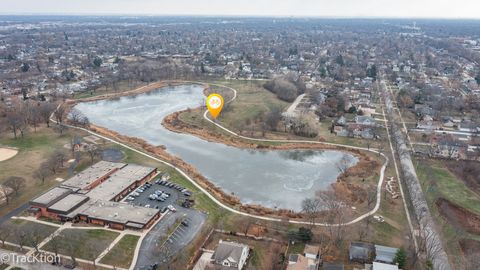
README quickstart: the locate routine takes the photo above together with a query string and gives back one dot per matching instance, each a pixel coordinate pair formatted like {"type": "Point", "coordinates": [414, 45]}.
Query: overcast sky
{"type": "Point", "coordinates": [315, 8]}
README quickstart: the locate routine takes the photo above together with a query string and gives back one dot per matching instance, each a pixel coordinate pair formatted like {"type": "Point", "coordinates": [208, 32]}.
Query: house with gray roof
{"type": "Point", "coordinates": [385, 254]}
{"type": "Point", "coordinates": [230, 255]}
{"type": "Point", "coordinates": [361, 252]}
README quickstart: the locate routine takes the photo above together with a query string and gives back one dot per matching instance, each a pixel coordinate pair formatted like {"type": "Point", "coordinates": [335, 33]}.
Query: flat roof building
{"type": "Point", "coordinates": [116, 215]}
{"type": "Point", "coordinates": [91, 196]}
{"type": "Point", "coordinates": [93, 175]}
{"type": "Point", "coordinates": [50, 197]}
{"type": "Point", "coordinates": [68, 203]}
{"type": "Point", "coordinates": [120, 181]}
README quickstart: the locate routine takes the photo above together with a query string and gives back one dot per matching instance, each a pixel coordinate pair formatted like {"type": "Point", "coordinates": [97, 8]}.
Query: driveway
{"type": "Point", "coordinates": [155, 248]}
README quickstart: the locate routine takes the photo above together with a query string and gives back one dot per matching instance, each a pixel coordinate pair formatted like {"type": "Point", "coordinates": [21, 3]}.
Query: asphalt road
{"type": "Point", "coordinates": [155, 248]}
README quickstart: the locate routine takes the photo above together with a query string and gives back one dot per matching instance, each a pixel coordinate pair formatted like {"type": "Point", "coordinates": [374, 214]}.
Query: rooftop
{"type": "Point", "coordinates": [385, 254]}
{"type": "Point", "coordinates": [116, 212]}
{"type": "Point", "coordinates": [83, 179]}
{"type": "Point", "coordinates": [52, 196]}
{"type": "Point", "coordinates": [119, 181]}
{"type": "Point", "coordinates": [228, 250]}
{"type": "Point", "coordinates": [67, 204]}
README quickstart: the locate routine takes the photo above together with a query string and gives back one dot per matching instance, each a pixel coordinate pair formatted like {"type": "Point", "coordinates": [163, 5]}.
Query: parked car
{"type": "Point", "coordinates": [164, 209]}
{"type": "Point", "coordinates": [158, 192]}
{"type": "Point", "coordinates": [130, 198]}
{"type": "Point", "coordinates": [135, 194]}
{"type": "Point", "coordinates": [187, 193]}
{"type": "Point", "coordinates": [147, 205]}
{"type": "Point", "coordinates": [160, 199]}
{"type": "Point", "coordinates": [185, 223]}
{"type": "Point", "coordinates": [153, 196]}
{"type": "Point", "coordinates": [171, 208]}
{"type": "Point", "coordinates": [140, 190]}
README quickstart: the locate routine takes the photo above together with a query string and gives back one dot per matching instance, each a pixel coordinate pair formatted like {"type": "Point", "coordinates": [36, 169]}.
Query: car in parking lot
{"type": "Point", "coordinates": [171, 208]}
{"type": "Point", "coordinates": [185, 223]}
{"type": "Point", "coordinates": [153, 197]}
{"type": "Point", "coordinates": [140, 190]}
{"type": "Point", "coordinates": [147, 205]}
{"type": "Point", "coordinates": [164, 209]}
{"type": "Point", "coordinates": [130, 198]}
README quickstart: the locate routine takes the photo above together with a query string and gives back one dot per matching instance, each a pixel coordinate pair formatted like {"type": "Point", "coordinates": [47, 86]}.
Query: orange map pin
{"type": "Point", "coordinates": [214, 104]}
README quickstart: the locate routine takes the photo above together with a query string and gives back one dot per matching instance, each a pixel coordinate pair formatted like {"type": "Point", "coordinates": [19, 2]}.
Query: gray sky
{"type": "Point", "coordinates": [315, 8]}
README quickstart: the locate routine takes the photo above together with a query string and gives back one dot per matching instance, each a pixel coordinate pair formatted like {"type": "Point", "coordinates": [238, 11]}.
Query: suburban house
{"type": "Point", "coordinates": [385, 254]}
{"type": "Point", "coordinates": [92, 196]}
{"type": "Point", "coordinates": [384, 257]}
{"type": "Point", "coordinates": [362, 128]}
{"type": "Point", "coordinates": [309, 260]}
{"type": "Point", "coordinates": [367, 110]}
{"type": "Point", "coordinates": [428, 125]}
{"type": "Point", "coordinates": [361, 252]}
{"type": "Point", "coordinates": [230, 255]}
{"type": "Point", "coordinates": [365, 120]}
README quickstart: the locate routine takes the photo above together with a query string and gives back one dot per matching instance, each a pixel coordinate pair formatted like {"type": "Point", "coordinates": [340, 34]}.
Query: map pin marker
{"type": "Point", "coordinates": [214, 104]}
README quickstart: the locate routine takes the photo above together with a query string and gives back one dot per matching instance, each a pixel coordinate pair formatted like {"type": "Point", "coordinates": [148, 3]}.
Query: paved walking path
{"type": "Point", "coordinates": [228, 208]}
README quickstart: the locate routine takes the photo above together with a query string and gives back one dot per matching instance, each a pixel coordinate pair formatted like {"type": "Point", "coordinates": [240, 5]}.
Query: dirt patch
{"type": "Point", "coordinates": [469, 246]}
{"type": "Point", "coordinates": [7, 153]}
{"type": "Point", "coordinates": [459, 216]}
{"type": "Point", "coordinates": [468, 171]}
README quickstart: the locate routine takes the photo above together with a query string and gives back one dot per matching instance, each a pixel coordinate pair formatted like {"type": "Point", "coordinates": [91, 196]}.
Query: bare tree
{"type": "Point", "coordinates": [334, 214]}
{"type": "Point", "coordinates": [78, 118]}
{"type": "Point", "coordinates": [6, 230]}
{"type": "Point", "coordinates": [34, 237]}
{"type": "Point", "coordinates": [60, 157]}
{"type": "Point", "coordinates": [344, 163]}
{"type": "Point", "coordinates": [41, 173]}
{"type": "Point", "coordinates": [45, 111]}
{"type": "Point", "coordinates": [55, 244]}
{"type": "Point", "coordinates": [59, 113]}
{"type": "Point", "coordinates": [14, 121]}
{"type": "Point", "coordinates": [93, 151]}
{"type": "Point", "coordinates": [311, 207]}
{"type": "Point", "coordinates": [7, 192]}
{"type": "Point", "coordinates": [21, 237]}
{"type": "Point", "coordinates": [15, 183]}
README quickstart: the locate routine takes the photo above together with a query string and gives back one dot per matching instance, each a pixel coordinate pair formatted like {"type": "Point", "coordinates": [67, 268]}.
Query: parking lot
{"type": "Point", "coordinates": [142, 197]}
{"type": "Point", "coordinates": [159, 246]}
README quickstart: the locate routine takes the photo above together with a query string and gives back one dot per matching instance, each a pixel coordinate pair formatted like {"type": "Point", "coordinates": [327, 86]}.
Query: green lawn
{"type": "Point", "coordinates": [29, 227]}
{"type": "Point", "coordinates": [85, 244]}
{"type": "Point", "coordinates": [34, 149]}
{"type": "Point", "coordinates": [296, 248]}
{"type": "Point", "coordinates": [121, 254]}
{"type": "Point", "coordinates": [437, 181]}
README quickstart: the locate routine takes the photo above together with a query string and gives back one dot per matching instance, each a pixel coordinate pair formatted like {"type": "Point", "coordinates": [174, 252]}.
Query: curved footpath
{"type": "Point", "coordinates": [230, 209]}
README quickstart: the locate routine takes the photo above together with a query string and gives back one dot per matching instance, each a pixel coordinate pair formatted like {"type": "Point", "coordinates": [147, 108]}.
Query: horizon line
{"type": "Point", "coordinates": [232, 16]}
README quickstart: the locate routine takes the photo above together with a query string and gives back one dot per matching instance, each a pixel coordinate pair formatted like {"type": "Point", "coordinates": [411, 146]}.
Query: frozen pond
{"type": "Point", "coordinates": [272, 178]}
